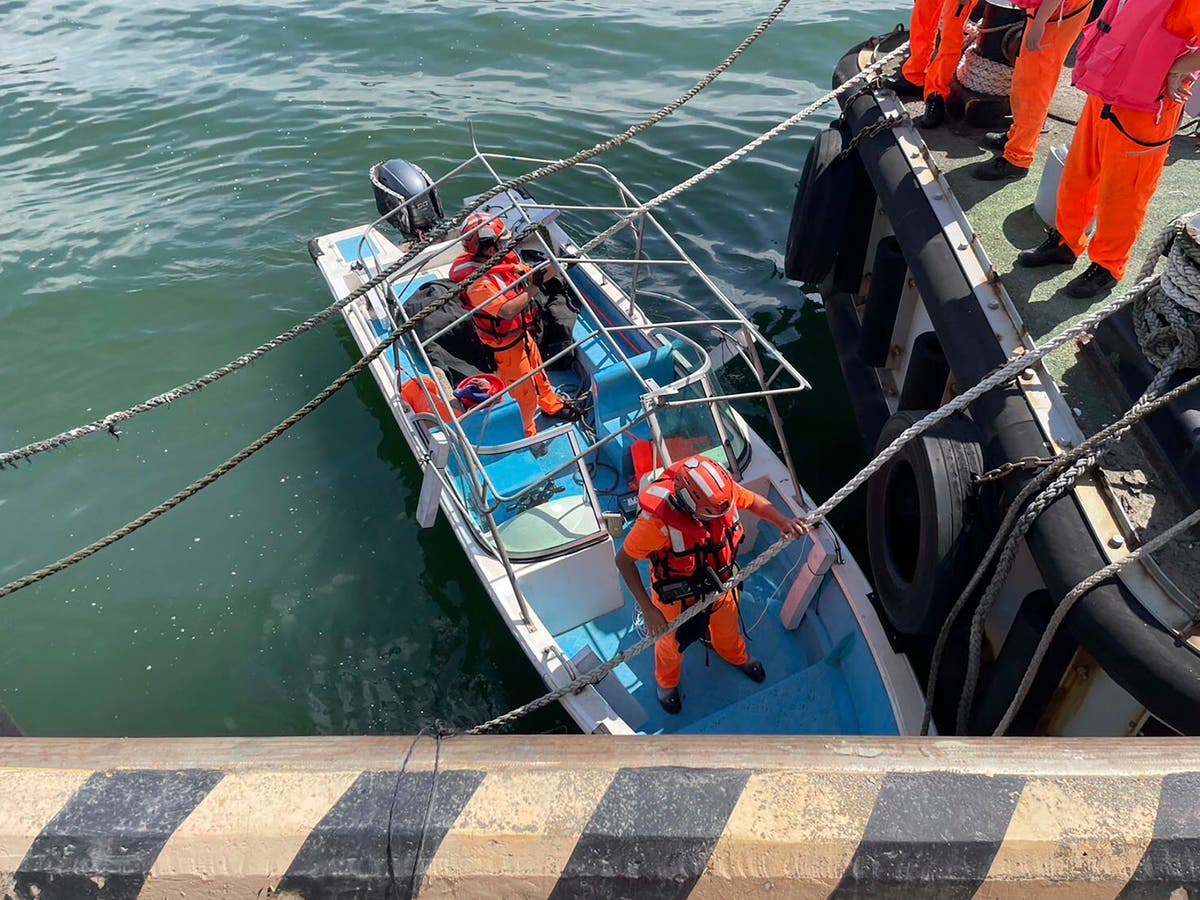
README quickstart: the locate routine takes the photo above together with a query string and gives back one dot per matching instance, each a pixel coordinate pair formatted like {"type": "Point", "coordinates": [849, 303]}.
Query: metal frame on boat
{"type": "Point", "coordinates": [456, 464]}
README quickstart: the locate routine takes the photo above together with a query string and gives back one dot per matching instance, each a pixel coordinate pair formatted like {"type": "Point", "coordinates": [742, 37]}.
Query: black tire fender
{"type": "Point", "coordinates": [926, 526]}
{"type": "Point", "coordinates": [819, 212]}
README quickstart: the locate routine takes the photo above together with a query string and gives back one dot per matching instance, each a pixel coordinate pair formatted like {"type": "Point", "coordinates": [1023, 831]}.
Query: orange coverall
{"type": "Point", "coordinates": [1111, 177]}
{"type": "Point", "coordinates": [648, 536]}
{"type": "Point", "coordinates": [922, 35]}
{"type": "Point", "coordinates": [1035, 79]}
{"type": "Point", "coordinates": [517, 361]}
{"type": "Point", "coordinates": [949, 50]}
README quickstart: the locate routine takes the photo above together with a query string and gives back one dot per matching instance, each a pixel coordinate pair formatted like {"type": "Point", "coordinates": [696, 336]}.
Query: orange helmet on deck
{"type": "Point", "coordinates": [704, 488]}
{"type": "Point", "coordinates": [480, 231]}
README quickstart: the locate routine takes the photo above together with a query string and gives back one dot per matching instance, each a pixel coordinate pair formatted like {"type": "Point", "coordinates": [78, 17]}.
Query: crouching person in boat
{"type": "Point", "coordinates": [506, 317]}
{"type": "Point", "coordinates": [690, 531]}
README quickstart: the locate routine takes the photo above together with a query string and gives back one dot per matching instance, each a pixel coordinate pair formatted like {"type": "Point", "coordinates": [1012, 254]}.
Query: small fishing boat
{"type": "Point", "coordinates": [659, 365]}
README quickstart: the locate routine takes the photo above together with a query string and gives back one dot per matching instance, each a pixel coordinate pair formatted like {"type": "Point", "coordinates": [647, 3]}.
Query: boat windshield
{"type": "Point", "coordinates": [536, 492]}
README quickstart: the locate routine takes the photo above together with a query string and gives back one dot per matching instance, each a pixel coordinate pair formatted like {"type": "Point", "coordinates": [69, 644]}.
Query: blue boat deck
{"type": "Point", "coordinates": [822, 677]}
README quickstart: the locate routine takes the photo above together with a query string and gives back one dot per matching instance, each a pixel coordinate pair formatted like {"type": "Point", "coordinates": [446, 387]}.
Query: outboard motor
{"type": "Point", "coordinates": [397, 181]}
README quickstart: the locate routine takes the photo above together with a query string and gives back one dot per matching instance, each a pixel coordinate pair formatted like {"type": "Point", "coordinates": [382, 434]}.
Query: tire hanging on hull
{"type": "Point", "coordinates": [926, 527]}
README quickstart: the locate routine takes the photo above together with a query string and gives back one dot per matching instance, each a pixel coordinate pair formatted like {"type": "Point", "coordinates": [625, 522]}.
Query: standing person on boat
{"type": "Point", "coordinates": [690, 531]}
{"type": "Point", "coordinates": [1136, 63]}
{"type": "Point", "coordinates": [506, 317]}
{"type": "Point", "coordinates": [1049, 36]}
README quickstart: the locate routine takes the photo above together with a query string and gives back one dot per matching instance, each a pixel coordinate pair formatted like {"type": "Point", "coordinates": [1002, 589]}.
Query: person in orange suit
{"type": "Point", "coordinates": [940, 73]}
{"type": "Point", "coordinates": [1137, 64]}
{"type": "Point", "coordinates": [922, 37]}
{"type": "Point", "coordinates": [690, 531]}
{"type": "Point", "coordinates": [505, 318]}
{"type": "Point", "coordinates": [1049, 36]}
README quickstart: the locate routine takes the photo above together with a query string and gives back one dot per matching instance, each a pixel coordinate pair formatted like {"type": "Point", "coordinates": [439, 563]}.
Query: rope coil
{"type": "Point", "coordinates": [982, 75]}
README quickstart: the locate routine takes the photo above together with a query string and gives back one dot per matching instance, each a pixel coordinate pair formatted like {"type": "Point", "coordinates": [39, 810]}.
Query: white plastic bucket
{"type": "Point", "coordinates": [1047, 195]}
{"type": "Point", "coordinates": [1046, 203]}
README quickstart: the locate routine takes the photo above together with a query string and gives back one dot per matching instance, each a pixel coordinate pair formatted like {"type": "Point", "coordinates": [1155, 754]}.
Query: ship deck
{"type": "Point", "coordinates": [1003, 215]}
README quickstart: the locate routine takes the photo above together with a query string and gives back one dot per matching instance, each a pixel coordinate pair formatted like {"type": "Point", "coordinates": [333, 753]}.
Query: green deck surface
{"type": "Point", "coordinates": [1003, 215]}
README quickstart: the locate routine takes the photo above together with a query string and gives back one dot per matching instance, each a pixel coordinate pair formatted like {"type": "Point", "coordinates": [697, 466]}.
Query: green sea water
{"type": "Point", "coordinates": [162, 166]}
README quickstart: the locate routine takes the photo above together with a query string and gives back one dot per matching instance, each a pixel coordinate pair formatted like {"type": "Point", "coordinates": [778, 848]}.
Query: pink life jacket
{"type": "Point", "coordinates": [1125, 55]}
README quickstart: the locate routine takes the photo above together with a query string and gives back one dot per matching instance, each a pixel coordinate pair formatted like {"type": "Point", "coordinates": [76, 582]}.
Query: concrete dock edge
{"type": "Point", "coordinates": [574, 816]}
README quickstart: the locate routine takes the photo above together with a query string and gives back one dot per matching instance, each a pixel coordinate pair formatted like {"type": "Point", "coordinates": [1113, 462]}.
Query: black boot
{"type": "Point", "coordinates": [935, 112]}
{"type": "Point", "coordinates": [1094, 280]}
{"type": "Point", "coordinates": [902, 87]}
{"type": "Point", "coordinates": [999, 169]}
{"type": "Point", "coordinates": [754, 670]}
{"type": "Point", "coordinates": [1050, 252]}
{"type": "Point", "coordinates": [668, 698]}
{"type": "Point", "coordinates": [995, 140]}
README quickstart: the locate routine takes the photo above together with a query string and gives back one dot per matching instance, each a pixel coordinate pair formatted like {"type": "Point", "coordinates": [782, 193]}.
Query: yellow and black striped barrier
{"type": "Point", "coordinates": [498, 817]}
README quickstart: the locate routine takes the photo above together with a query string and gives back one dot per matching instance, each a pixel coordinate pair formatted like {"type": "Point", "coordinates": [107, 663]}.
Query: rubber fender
{"type": "Point", "coordinates": [883, 302]}
{"type": "Point", "coordinates": [927, 373]}
{"type": "Point", "coordinates": [819, 211]}
{"type": "Point", "coordinates": [922, 533]}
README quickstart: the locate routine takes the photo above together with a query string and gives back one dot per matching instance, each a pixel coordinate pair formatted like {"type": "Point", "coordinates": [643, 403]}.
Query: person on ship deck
{"type": "Point", "coordinates": [1050, 34]}
{"type": "Point", "coordinates": [1137, 64]}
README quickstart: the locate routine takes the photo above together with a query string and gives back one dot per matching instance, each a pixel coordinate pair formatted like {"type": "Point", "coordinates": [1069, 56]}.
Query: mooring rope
{"type": "Point", "coordinates": [110, 422]}
{"type": "Point", "coordinates": [1099, 443]}
{"type": "Point", "coordinates": [984, 76]}
{"type": "Point", "coordinates": [408, 326]}
{"type": "Point", "coordinates": [1064, 607]}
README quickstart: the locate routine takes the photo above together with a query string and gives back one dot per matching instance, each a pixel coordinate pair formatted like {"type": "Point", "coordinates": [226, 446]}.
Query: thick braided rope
{"type": "Point", "coordinates": [1082, 461]}
{"type": "Point", "coordinates": [1059, 486]}
{"type": "Point", "coordinates": [1064, 607]}
{"type": "Point", "coordinates": [983, 75]}
{"type": "Point", "coordinates": [1146, 403]}
{"type": "Point", "coordinates": [110, 421]}
{"type": "Point", "coordinates": [1169, 315]}
{"type": "Point", "coordinates": [1100, 442]}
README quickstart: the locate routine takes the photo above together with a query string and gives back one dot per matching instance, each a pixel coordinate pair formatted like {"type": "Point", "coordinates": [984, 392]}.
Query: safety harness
{"type": "Point", "coordinates": [699, 558]}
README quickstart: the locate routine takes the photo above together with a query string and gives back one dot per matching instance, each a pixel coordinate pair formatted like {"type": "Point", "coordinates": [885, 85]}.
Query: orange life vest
{"type": "Point", "coordinates": [467, 264]}
{"type": "Point", "coordinates": [493, 289]}
{"type": "Point", "coordinates": [697, 550]}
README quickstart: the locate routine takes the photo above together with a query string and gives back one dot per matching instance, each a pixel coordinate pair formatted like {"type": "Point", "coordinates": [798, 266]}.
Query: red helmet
{"type": "Point", "coordinates": [480, 231]}
{"type": "Point", "coordinates": [704, 488]}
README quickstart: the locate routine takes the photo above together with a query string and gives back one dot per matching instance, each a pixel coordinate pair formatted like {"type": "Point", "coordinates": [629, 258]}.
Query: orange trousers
{"type": "Point", "coordinates": [724, 630]}
{"type": "Point", "coordinates": [922, 35]}
{"type": "Point", "coordinates": [1035, 80]}
{"type": "Point", "coordinates": [949, 48]}
{"type": "Point", "coordinates": [1112, 178]}
{"type": "Point", "coordinates": [515, 363]}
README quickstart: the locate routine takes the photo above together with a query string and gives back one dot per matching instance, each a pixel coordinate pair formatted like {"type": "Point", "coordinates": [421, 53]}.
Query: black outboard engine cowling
{"type": "Point", "coordinates": [397, 181]}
